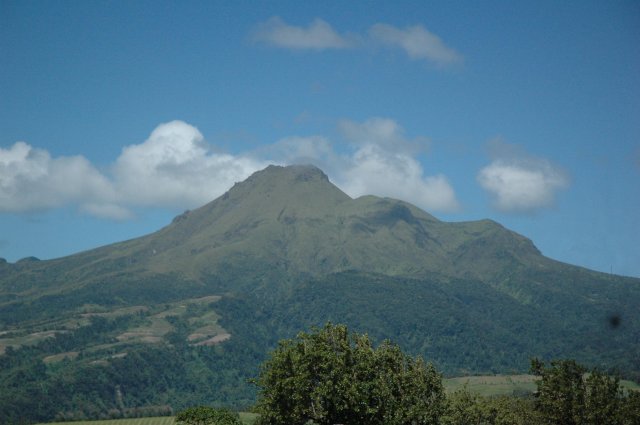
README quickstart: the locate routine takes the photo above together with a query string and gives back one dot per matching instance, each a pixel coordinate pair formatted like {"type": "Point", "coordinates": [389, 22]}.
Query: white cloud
{"type": "Point", "coordinates": [31, 180]}
{"type": "Point", "coordinates": [379, 172]}
{"type": "Point", "coordinates": [175, 167]}
{"type": "Point", "coordinates": [319, 35]}
{"type": "Point", "coordinates": [417, 42]}
{"type": "Point", "coordinates": [383, 164]}
{"type": "Point", "coordinates": [519, 182]}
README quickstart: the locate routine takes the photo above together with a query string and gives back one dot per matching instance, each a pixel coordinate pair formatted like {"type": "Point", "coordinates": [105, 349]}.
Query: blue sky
{"type": "Point", "coordinates": [117, 115]}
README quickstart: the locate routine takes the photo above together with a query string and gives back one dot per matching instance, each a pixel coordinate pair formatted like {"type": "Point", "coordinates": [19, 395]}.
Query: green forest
{"type": "Point", "coordinates": [158, 381]}
{"type": "Point", "coordinates": [186, 315]}
{"type": "Point", "coordinates": [331, 376]}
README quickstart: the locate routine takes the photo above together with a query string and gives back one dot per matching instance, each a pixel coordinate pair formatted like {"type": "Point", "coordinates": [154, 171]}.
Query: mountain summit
{"type": "Point", "coordinates": [200, 302]}
{"type": "Point", "coordinates": [295, 220]}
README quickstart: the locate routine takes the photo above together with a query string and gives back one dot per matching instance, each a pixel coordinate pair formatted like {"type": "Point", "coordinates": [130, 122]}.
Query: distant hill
{"type": "Point", "coordinates": [184, 315]}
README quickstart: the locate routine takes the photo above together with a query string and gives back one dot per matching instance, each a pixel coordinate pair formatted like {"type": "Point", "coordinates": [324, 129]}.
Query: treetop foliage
{"type": "Point", "coordinates": [570, 394]}
{"type": "Point", "coordinates": [332, 376]}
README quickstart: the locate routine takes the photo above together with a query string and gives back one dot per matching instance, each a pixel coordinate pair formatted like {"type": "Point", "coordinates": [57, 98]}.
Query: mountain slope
{"type": "Point", "coordinates": [295, 220]}
{"type": "Point", "coordinates": [201, 301]}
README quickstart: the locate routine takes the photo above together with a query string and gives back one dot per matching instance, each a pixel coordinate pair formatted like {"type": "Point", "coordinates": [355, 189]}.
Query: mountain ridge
{"type": "Point", "coordinates": [310, 198]}
{"type": "Point", "coordinates": [294, 221]}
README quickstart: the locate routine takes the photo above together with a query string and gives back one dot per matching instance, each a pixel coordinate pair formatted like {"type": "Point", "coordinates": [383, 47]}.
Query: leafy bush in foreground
{"type": "Point", "coordinates": [330, 376]}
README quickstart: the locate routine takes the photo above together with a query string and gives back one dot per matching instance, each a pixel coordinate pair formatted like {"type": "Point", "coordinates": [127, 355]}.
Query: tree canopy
{"type": "Point", "coordinates": [569, 393]}
{"type": "Point", "coordinates": [332, 376]}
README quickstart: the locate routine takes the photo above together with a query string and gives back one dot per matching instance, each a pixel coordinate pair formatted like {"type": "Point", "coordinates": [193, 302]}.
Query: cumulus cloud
{"type": "Point", "coordinates": [383, 164]}
{"type": "Point", "coordinates": [30, 179]}
{"type": "Point", "coordinates": [521, 183]}
{"type": "Point", "coordinates": [319, 35]}
{"type": "Point", "coordinates": [174, 166]}
{"type": "Point", "coordinates": [417, 42]}
{"type": "Point", "coordinates": [375, 171]}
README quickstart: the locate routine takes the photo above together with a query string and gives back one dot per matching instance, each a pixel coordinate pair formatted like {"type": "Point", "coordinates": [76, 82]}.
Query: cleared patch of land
{"type": "Point", "coordinates": [70, 355]}
{"type": "Point", "coordinates": [152, 325]}
{"type": "Point", "coordinates": [157, 325]}
{"type": "Point", "coordinates": [18, 339]}
{"type": "Point", "coordinates": [629, 385]}
{"type": "Point", "coordinates": [41, 330]}
{"type": "Point", "coordinates": [246, 418]}
{"type": "Point", "coordinates": [495, 385]}
{"type": "Point", "coordinates": [162, 420]}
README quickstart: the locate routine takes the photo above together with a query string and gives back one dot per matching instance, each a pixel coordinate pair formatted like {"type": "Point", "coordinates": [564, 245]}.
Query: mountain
{"type": "Point", "coordinates": [184, 315]}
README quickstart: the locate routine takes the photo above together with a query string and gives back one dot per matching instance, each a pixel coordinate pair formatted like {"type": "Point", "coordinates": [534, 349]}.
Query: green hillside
{"type": "Point", "coordinates": [185, 315]}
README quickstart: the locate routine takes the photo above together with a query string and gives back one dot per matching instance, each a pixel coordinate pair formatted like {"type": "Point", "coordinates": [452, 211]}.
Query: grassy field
{"type": "Point", "coordinates": [493, 385]}
{"type": "Point", "coordinates": [245, 417]}
{"type": "Point", "coordinates": [162, 420]}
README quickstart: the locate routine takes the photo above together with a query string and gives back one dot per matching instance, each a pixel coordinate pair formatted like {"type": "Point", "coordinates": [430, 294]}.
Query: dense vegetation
{"type": "Point", "coordinates": [203, 415]}
{"type": "Point", "coordinates": [330, 376]}
{"type": "Point", "coordinates": [184, 316]}
{"type": "Point", "coordinates": [461, 327]}
{"type": "Point", "coordinates": [324, 377]}
{"type": "Point", "coordinates": [120, 380]}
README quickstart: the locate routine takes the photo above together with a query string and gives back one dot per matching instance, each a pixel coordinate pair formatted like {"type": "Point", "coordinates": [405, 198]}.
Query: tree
{"type": "Point", "coordinates": [569, 394]}
{"type": "Point", "coordinates": [203, 415]}
{"type": "Point", "coordinates": [561, 391]}
{"type": "Point", "coordinates": [631, 409]}
{"type": "Point", "coordinates": [330, 376]}
{"type": "Point", "coordinates": [466, 408]}
{"type": "Point", "coordinates": [603, 399]}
